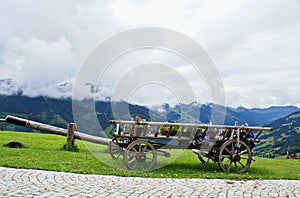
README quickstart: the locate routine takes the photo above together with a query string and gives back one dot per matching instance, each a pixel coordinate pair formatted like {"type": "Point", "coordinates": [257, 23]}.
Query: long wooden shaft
{"type": "Point", "coordinates": [55, 130]}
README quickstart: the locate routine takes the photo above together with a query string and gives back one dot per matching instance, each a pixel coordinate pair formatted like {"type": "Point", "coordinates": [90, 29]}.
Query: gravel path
{"type": "Point", "coordinates": [37, 183]}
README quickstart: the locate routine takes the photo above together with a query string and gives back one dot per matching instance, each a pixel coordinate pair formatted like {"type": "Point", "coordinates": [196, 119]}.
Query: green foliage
{"type": "Point", "coordinates": [43, 151]}
{"type": "Point", "coordinates": [284, 137]}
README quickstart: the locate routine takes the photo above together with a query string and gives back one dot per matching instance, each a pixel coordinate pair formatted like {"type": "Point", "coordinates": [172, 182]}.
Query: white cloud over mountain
{"type": "Point", "coordinates": [254, 45]}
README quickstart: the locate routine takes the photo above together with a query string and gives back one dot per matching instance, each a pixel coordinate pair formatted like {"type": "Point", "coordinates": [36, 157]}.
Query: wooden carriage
{"type": "Point", "coordinates": [139, 142]}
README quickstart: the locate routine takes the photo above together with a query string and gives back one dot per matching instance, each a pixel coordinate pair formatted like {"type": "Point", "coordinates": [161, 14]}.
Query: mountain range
{"type": "Point", "coordinates": [285, 136]}
{"type": "Point", "coordinates": [285, 120]}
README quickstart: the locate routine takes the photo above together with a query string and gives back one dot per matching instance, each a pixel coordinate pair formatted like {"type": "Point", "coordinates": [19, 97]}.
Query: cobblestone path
{"type": "Point", "coordinates": [37, 183]}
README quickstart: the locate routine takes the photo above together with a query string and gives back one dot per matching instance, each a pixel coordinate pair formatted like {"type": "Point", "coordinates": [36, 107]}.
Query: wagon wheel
{"type": "Point", "coordinates": [114, 150]}
{"type": "Point", "coordinates": [140, 155]}
{"type": "Point", "coordinates": [235, 156]}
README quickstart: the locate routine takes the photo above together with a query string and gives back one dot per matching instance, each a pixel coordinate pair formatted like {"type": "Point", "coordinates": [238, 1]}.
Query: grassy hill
{"type": "Point", "coordinates": [44, 151]}
{"type": "Point", "coordinates": [284, 137]}
{"type": "Point", "coordinates": [53, 111]}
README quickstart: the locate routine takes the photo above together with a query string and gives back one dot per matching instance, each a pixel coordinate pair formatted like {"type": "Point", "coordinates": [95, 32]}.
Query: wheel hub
{"type": "Point", "coordinates": [236, 157]}
{"type": "Point", "coordinates": [141, 157]}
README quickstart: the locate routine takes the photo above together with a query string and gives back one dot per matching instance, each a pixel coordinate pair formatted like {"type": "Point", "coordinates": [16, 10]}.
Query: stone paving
{"type": "Point", "coordinates": [37, 183]}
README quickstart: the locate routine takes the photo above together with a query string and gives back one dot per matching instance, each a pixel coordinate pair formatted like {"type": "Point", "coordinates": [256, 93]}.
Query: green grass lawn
{"type": "Point", "coordinates": [44, 151]}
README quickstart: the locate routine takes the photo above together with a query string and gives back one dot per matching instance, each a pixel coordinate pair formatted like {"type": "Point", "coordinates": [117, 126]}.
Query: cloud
{"type": "Point", "coordinates": [255, 46]}
{"type": "Point", "coordinates": [251, 43]}
{"type": "Point", "coordinates": [37, 65]}
{"type": "Point", "coordinates": [141, 13]}
{"type": "Point", "coordinates": [43, 43]}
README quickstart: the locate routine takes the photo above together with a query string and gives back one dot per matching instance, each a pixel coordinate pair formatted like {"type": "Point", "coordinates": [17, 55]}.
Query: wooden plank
{"type": "Point", "coordinates": [204, 126]}
{"type": "Point", "coordinates": [161, 137]}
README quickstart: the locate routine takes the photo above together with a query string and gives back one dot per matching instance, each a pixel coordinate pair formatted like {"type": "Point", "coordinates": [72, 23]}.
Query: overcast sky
{"type": "Point", "coordinates": [255, 45]}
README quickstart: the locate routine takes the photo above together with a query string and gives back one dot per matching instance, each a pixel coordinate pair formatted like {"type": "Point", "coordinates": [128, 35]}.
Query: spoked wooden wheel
{"type": "Point", "coordinates": [114, 150]}
{"type": "Point", "coordinates": [140, 155]}
{"type": "Point", "coordinates": [235, 156]}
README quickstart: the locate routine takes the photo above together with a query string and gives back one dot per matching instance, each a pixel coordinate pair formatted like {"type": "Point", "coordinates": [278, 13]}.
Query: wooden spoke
{"type": "Point", "coordinates": [236, 168]}
{"type": "Point", "coordinates": [145, 148]}
{"type": "Point", "coordinates": [228, 169]}
{"type": "Point", "coordinates": [242, 152]}
{"type": "Point", "coordinates": [230, 152]}
{"type": "Point", "coordinates": [134, 150]}
{"type": "Point", "coordinates": [225, 163]}
{"type": "Point", "coordinates": [241, 164]}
